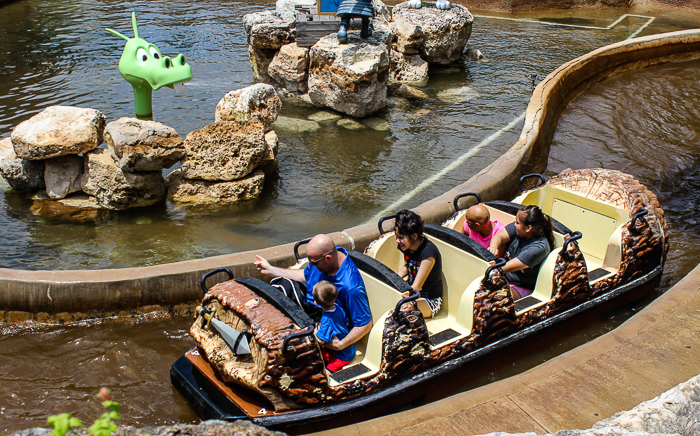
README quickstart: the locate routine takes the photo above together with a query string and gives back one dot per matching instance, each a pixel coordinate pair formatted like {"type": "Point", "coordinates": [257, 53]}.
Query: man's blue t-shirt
{"type": "Point", "coordinates": [352, 296]}
{"type": "Point", "coordinates": [334, 323]}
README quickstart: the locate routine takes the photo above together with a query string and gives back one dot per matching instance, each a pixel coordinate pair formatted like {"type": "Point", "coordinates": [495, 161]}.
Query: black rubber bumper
{"type": "Point", "coordinates": [200, 393]}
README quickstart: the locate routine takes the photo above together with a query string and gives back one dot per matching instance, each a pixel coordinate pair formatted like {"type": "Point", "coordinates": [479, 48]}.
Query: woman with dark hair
{"type": "Point", "coordinates": [423, 263]}
{"type": "Point", "coordinates": [526, 244]}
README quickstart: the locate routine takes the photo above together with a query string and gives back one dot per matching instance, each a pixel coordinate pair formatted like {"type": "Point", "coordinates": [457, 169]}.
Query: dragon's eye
{"type": "Point", "coordinates": [154, 52]}
{"type": "Point", "coordinates": [141, 55]}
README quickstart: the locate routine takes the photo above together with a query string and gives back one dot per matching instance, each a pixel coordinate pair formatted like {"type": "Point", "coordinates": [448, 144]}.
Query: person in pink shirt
{"type": "Point", "coordinates": [479, 226]}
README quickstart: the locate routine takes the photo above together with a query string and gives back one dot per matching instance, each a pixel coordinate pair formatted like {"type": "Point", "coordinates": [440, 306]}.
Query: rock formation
{"type": "Point", "coordinates": [116, 189]}
{"type": "Point", "coordinates": [62, 175]}
{"type": "Point", "coordinates": [56, 150]}
{"type": "Point", "coordinates": [290, 67]}
{"type": "Point", "coordinates": [253, 103]}
{"type": "Point", "coordinates": [183, 190]}
{"type": "Point", "coordinates": [20, 174]}
{"type": "Point", "coordinates": [350, 78]}
{"type": "Point", "coordinates": [138, 145]}
{"type": "Point", "coordinates": [267, 32]}
{"type": "Point", "coordinates": [445, 32]}
{"type": "Point", "coordinates": [80, 208]}
{"type": "Point", "coordinates": [409, 35]}
{"type": "Point", "coordinates": [408, 69]}
{"type": "Point", "coordinates": [227, 150]}
{"type": "Point", "coordinates": [58, 131]}
{"type": "Point", "coordinates": [355, 77]}
{"type": "Point", "coordinates": [221, 159]}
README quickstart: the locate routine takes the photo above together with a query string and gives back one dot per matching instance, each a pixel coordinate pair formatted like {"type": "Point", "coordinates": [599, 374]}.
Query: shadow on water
{"type": "Point", "coordinates": [642, 122]}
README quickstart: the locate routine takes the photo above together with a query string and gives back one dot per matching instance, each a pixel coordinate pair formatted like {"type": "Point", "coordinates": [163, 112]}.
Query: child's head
{"type": "Point", "coordinates": [477, 217]}
{"type": "Point", "coordinates": [325, 294]}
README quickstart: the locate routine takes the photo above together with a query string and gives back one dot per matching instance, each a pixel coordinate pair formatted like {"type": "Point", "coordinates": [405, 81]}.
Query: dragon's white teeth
{"type": "Point", "coordinates": [180, 87]}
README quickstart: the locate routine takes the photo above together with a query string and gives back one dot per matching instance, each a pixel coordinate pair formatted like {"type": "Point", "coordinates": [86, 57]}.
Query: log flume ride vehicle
{"type": "Point", "coordinates": [256, 356]}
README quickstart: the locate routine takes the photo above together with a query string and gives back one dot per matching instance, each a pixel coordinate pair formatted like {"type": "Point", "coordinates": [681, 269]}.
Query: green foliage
{"type": "Point", "coordinates": [103, 426]}
{"type": "Point", "coordinates": [63, 422]}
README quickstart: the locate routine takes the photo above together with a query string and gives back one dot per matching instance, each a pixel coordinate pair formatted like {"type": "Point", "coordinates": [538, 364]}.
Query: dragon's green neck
{"type": "Point", "coordinates": [142, 98]}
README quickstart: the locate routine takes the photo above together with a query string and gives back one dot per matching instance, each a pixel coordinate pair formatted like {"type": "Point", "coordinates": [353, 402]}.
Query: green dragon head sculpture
{"type": "Point", "coordinates": [146, 69]}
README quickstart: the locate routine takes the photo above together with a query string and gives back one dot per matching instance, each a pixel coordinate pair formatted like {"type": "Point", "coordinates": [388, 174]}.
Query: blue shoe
{"type": "Point", "coordinates": [343, 33]}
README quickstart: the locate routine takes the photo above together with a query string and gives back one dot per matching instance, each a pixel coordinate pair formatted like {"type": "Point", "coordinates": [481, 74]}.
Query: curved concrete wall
{"type": "Point", "coordinates": [542, 5]}
{"type": "Point", "coordinates": [73, 295]}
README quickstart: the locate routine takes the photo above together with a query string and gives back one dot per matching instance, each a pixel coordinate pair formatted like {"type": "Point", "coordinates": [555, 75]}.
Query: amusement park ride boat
{"type": "Point", "coordinates": [256, 356]}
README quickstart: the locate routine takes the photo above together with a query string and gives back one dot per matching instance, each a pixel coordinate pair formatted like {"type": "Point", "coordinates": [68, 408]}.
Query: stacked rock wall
{"type": "Point", "coordinates": [45, 152]}
{"type": "Point", "coordinates": [222, 160]}
{"type": "Point", "coordinates": [57, 151]}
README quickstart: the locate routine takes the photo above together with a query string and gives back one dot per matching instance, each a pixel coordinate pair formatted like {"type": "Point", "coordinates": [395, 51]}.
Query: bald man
{"type": "Point", "coordinates": [331, 263]}
{"type": "Point", "coordinates": [479, 226]}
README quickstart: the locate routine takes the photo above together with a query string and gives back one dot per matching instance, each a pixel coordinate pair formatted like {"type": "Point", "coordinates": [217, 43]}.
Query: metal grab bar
{"type": "Point", "coordinates": [575, 236]}
{"type": "Point", "coordinates": [527, 176]}
{"type": "Point", "coordinates": [455, 202]}
{"type": "Point", "coordinates": [500, 263]}
{"type": "Point", "coordinates": [381, 221]}
{"type": "Point", "coordinates": [211, 273]}
{"type": "Point", "coordinates": [299, 244]}
{"type": "Point", "coordinates": [283, 353]}
{"type": "Point", "coordinates": [411, 297]}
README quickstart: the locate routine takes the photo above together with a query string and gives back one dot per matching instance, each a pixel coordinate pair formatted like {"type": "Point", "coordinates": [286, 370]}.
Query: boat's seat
{"type": "Point", "coordinates": [600, 224]}
{"type": "Point", "coordinates": [458, 240]}
{"type": "Point", "coordinates": [543, 288]}
{"type": "Point", "coordinates": [456, 221]}
{"type": "Point", "coordinates": [510, 209]}
{"type": "Point", "coordinates": [384, 288]}
{"type": "Point", "coordinates": [464, 262]}
{"type": "Point", "coordinates": [280, 301]}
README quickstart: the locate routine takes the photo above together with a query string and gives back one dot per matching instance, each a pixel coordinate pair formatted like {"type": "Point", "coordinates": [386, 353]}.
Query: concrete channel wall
{"type": "Point", "coordinates": [542, 5]}
{"type": "Point", "coordinates": [65, 296]}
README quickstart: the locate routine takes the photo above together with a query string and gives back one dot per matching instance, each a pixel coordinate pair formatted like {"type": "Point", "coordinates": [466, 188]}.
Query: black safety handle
{"type": "Point", "coordinates": [211, 273]}
{"type": "Point", "coordinates": [500, 263]}
{"type": "Point", "coordinates": [466, 194]}
{"type": "Point", "coordinates": [412, 296]}
{"type": "Point", "coordinates": [299, 244]}
{"type": "Point", "coordinates": [575, 236]}
{"type": "Point", "coordinates": [637, 216]}
{"type": "Point", "coordinates": [527, 176]}
{"type": "Point", "coordinates": [381, 222]}
{"type": "Point", "coordinates": [286, 352]}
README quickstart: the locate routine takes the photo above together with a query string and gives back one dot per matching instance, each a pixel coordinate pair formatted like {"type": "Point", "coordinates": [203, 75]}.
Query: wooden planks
{"type": "Point", "coordinates": [251, 403]}
{"type": "Point", "coordinates": [312, 27]}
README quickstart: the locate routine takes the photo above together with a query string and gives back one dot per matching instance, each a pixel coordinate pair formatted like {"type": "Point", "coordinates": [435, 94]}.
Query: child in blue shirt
{"type": "Point", "coordinates": [334, 323]}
